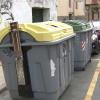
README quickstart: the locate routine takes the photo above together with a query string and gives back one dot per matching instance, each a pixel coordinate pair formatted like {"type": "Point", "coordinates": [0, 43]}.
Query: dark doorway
{"type": "Point", "coordinates": [37, 15]}
{"type": "Point", "coordinates": [98, 14]}
{"type": "Point", "coordinates": [70, 16]}
{"type": "Point", "coordinates": [92, 15]}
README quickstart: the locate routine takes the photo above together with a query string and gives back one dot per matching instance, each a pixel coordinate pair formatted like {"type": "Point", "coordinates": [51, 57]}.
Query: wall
{"type": "Point", "coordinates": [21, 10]}
{"type": "Point", "coordinates": [53, 10]}
{"type": "Point", "coordinates": [46, 14]}
{"type": "Point", "coordinates": [80, 11]}
{"type": "Point", "coordinates": [95, 1]}
{"type": "Point", "coordinates": [16, 10]}
{"type": "Point", "coordinates": [88, 1]}
{"type": "Point", "coordinates": [99, 14]}
{"type": "Point", "coordinates": [99, 2]}
{"type": "Point", "coordinates": [89, 14]}
{"type": "Point", "coordinates": [92, 2]}
{"type": "Point", "coordinates": [64, 10]}
{"type": "Point", "coordinates": [96, 16]}
{"type": "Point", "coordinates": [71, 9]}
{"type": "Point", "coordinates": [63, 7]}
{"type": "Point", "coordinates": [51, 4]}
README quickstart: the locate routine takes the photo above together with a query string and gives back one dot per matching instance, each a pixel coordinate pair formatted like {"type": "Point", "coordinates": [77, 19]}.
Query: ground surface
{"type": "Point", "coordinates": [2, 80]}
{"type": "Point", "coordinates": [80, 88]}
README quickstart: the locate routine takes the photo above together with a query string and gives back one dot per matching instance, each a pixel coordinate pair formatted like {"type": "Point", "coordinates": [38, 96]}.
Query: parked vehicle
{"type": "Point", "coordinates": [95, 43]}
{"type": "Point", "coordinates": [95, 37]}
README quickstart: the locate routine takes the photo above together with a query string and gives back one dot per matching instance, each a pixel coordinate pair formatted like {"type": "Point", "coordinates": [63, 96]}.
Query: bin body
{"type": "Point", "coordinates": [70, 46]}
{"type": "Point", "coordinates": [82, 43]}
{"type": "Point", "coordinates": [49, 64]}
{"type": "Point", "coordinates": [82, 49]}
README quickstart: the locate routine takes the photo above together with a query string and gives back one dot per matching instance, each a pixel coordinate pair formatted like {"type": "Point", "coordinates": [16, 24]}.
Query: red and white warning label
{"type": "Point", "coordinates": [83, 45]}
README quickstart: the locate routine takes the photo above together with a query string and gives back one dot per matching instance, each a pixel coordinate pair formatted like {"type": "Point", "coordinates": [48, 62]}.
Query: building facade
{"type": "Point", "coordinates": [92, 10]}
{"type": "Point", "coordinates": [71, 9]}
{"type": "Point", "coordinates": [27, 11]}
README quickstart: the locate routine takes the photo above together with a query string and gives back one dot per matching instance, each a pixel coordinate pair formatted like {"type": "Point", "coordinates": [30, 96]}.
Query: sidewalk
{"type": "Point", "coordinates": [78, 88]}
{"type": "Point", "coordinates": [80, 84]}
{"type": "Point", "coordinates": [2, 80]}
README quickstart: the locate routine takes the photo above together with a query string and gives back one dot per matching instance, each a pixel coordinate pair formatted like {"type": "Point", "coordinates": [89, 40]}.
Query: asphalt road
{"type": "Point", "coordinates": [80, 87]}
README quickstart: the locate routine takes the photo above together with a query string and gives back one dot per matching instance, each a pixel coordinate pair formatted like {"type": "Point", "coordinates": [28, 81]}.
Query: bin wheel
{"type": "Point", "coordinates": [83, 69]}
{"type": "Point", "coordinates": [98, 49]}
{"type": "Point", "coordinates": [90, 60]}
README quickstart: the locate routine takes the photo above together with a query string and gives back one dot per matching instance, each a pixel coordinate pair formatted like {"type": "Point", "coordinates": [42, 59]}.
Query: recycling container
{"type": "Point", "coordinates": [82, 43]}
{"type": "Point", "coordinates": [36, 59]}
{"type": "Point", "coordinates": [84, 22]}
{"type": "Point", "coordinates": [76, 25]}
{"type": "Point", "coordinates": [70, 46]}
{"type": "Point", "coordinates": [89, 35]}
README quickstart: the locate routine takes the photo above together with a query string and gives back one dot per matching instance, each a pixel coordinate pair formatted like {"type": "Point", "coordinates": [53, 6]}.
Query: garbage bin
{"type": "Point", "coordinates": [76, 25]}
{"type": "Point", "coordinates": [82, 43]}
{"type": "Point", "coordinates": [70, 46]}
{"type": "Point", "coordinates": [35, 60]}
{"type": "Point", "coordinates": [86, 23]}
{"type": "Point", "coordinates": [89, 35]}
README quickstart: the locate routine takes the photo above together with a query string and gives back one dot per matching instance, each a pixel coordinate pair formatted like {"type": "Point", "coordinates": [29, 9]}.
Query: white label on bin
{"type": "Point", "coordinates": [53, 69]}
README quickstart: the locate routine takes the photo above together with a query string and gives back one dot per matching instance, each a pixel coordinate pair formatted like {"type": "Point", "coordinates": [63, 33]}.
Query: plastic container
{"type": "Point", "coordinates": [47, 59]}
{"type": "Point", "coordinates": [82, 43]}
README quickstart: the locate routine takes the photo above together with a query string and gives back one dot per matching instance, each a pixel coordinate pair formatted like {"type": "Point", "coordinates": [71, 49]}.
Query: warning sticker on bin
{"type": "Point", "coordinates": [83, 45]}
{"type": "Point", "coordinates": [53, 69]}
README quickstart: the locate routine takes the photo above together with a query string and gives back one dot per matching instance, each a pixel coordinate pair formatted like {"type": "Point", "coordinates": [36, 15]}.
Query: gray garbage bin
{"type": "Point", "coordinates": [89, 35]}
{"type": "Point", "coordinates": [82, 43]}
{"type": "Point", "coordinates": [70, 45]}
{"type": "Point", "coordinates": [82, 49]}
{"type": "Point", "coordinates": [41, 72]}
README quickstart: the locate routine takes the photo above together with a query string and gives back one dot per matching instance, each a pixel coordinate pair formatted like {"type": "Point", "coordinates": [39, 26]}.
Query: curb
{"type": "Point", "coordinates": [3, 88]}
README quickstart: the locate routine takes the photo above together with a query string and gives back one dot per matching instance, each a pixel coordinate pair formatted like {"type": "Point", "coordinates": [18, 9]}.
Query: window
{"type": "Point", "coordinates": [76, 5]}
{"type": "Point", "coordinates": [70, 3]}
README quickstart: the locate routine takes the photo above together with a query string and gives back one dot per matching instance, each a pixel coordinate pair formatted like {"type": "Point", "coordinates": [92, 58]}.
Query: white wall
{"type": "Point", "coordinates": [51, 4]}
{"type": "Point", "coordinates": [22, 10]}
{"type": "Point", "coordinates": [46, 14]}
{"type": "Point", "coordinates": [53, 10]}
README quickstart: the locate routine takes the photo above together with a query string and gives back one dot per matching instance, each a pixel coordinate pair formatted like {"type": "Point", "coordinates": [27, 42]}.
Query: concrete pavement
{"type": "Point", "coordinates": [2, 80]}
{"type": "Point", "coordinates": [79, 86]}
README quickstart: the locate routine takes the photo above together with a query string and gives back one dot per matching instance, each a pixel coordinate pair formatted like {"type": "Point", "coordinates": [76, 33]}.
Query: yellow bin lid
{"type": "Point", "coordinates": [44, 31]}
{"type": "Point", "coordinates": [66, 28]}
